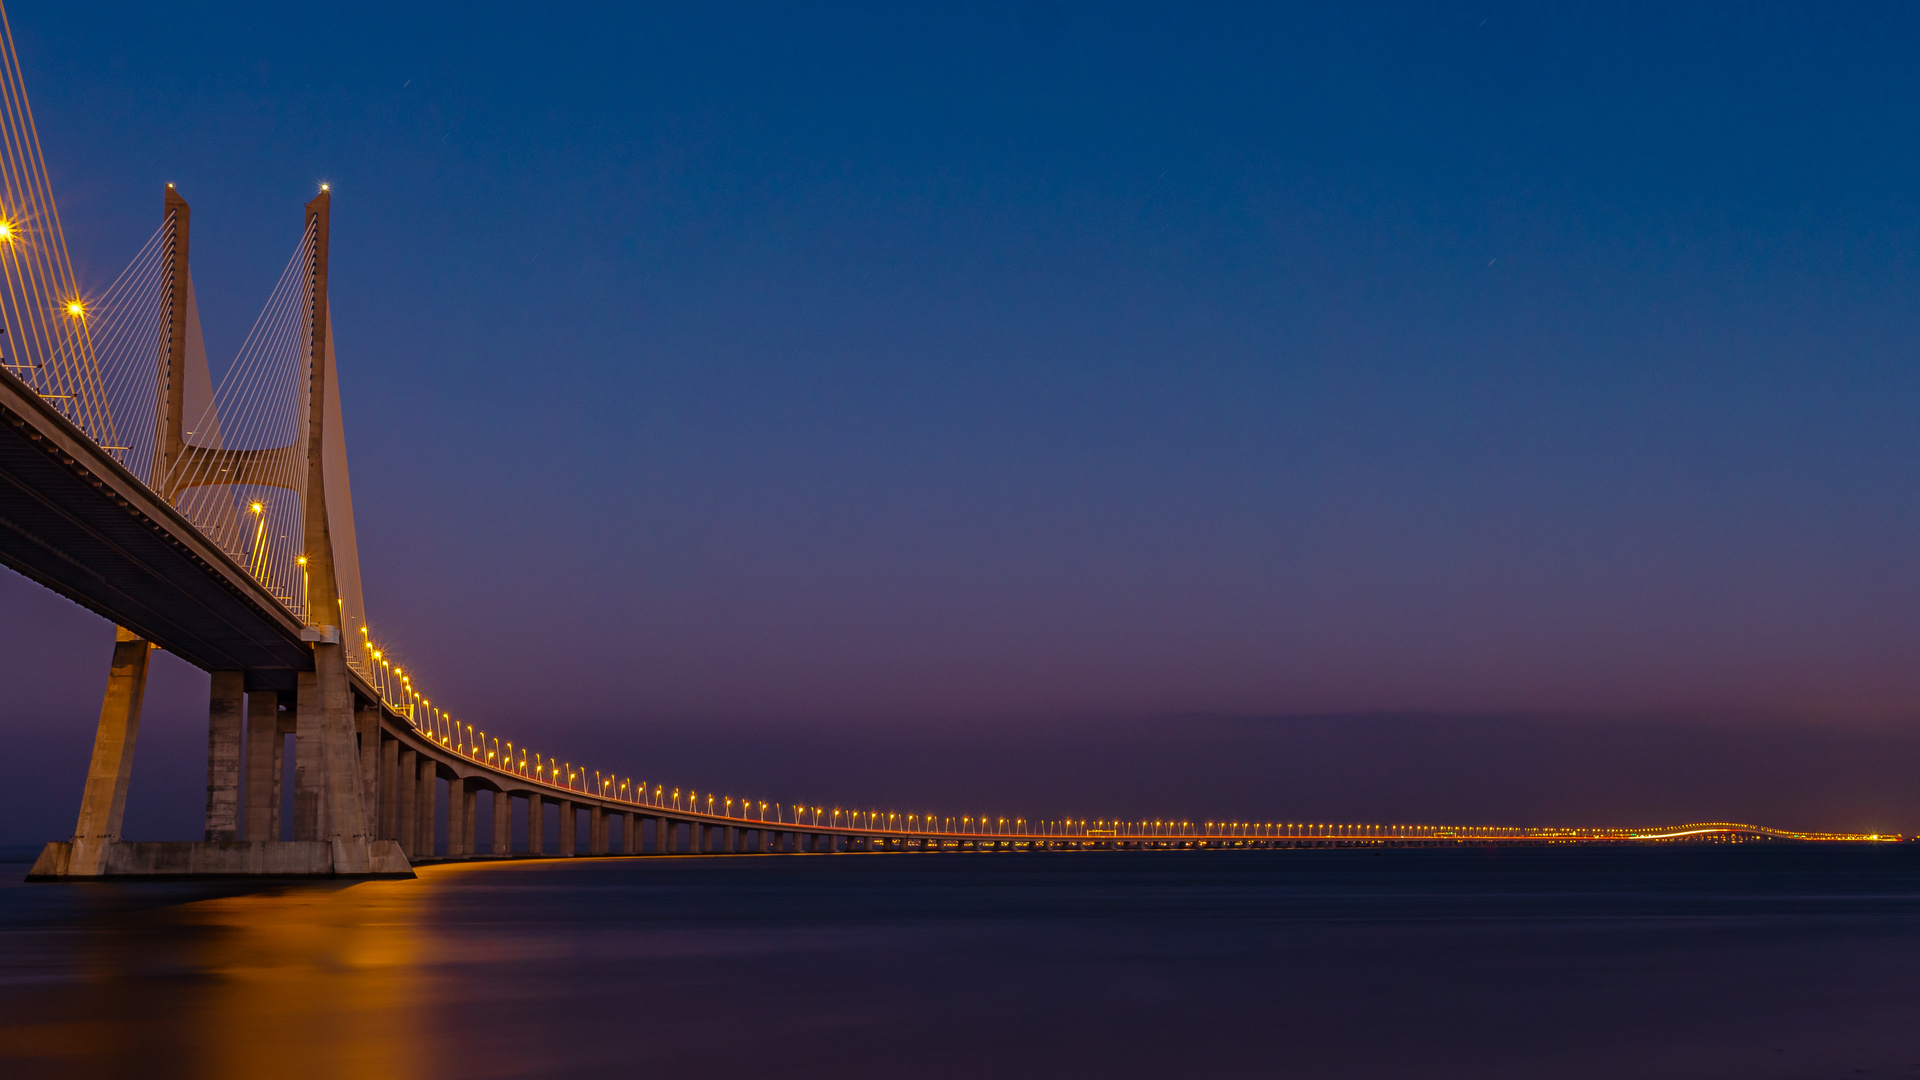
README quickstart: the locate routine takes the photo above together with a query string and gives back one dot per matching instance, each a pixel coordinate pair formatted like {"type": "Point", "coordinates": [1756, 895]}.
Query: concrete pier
{"type": "Point", "coordinates": [227, 858]}
{"type": "Point", "coordinates": [263, 766]}
{"type": "Point", "coordinates": [460, 815]}
{"type": "Point", "coordinates": [424, 809]}
{"type": "Point", "coordinates": [226, 715]}
{"type": "Point", "coordinates": [596, 830]}
{"type": "Point", "coordinates": [366, 729]}
{"type": "Point", "coordinates": [406, 801]}
{"type": "Point", "coordinates": [103, 803]}
{"type": "Point", "coordinates": [390, 788]}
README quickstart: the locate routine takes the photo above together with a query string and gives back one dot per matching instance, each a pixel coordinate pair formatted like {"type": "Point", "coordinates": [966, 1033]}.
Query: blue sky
{"type": "Point", "coordinates": [1019, 368]}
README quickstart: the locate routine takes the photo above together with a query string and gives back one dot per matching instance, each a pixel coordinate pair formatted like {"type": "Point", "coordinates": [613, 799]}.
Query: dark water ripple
{"type": "Point", "coordinates": [1745, 961]}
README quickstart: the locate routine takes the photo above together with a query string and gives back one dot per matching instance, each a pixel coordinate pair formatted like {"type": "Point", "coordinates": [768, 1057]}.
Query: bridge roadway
{"type": "Point", "coordinates": [77, 521]}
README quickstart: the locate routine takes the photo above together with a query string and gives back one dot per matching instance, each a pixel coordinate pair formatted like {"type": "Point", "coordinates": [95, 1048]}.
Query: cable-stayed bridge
{"type": "Point", "coordinates": [215, 520]}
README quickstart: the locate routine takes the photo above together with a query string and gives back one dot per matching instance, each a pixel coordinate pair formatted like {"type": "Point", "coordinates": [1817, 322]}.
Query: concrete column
{"type": "Point", "coordinates": [424, 810]}
{"type": "Point", "coordinates": [569, 827]}
{"type": "Point", "coordinates": [596, 830]}
{"type": "Point", "coordinates": [366, 724]}
{"type": "Point", "coordinates": [470, 811]}
{"type": "Point", "coordinates": [462, 802]}
{"type": "Point", "coordinates": [456, 816]}
{"type": "Point", "coordinates": [263, 751]}
{"type": "Point", "coordinates": [309, 758]}
{"type": "Point", "coordinates": [390, 789]}
{"type": "Point", "coordinates": [283, 728]}
{"type": "Point", "coordinates": [630, 834]}
{"type": "Point", "coordinates": [103, 802]}
{"type": "Point", "coordinates": [502, 823]}
{"type": "Point", "coordinates": [536, 824]}
{"type": "Point", "coordinates": [406, 802]}
{"type": "Point", "coordinates": [345, 820]}
{"type": "Point", "coordinates": [730, 839]}
{"type": "Point", "coordinates": [662, 836]}
{"type": "Point", "coordinates": [226, 714]}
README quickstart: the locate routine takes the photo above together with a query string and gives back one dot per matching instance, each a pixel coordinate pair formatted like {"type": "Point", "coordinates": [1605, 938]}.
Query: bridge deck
{"type": "Point", "coordinates": [75, 520]}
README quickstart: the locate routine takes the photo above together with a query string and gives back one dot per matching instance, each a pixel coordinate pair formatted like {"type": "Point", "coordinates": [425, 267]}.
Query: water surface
{"type": "Point", "coordinates": [1737, 961]}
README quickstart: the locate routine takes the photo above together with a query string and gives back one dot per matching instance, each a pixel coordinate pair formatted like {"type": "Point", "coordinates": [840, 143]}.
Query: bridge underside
{"type": "Point", "coordinates": [74, 520]}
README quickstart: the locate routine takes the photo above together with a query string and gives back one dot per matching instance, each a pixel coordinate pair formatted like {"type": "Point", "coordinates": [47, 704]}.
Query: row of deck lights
{"type": "Point", "coordinates": [396, 688]}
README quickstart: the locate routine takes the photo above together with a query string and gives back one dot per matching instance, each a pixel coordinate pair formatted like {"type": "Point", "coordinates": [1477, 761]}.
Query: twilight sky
{"type": "Point", "coordinates": [1382, 412]}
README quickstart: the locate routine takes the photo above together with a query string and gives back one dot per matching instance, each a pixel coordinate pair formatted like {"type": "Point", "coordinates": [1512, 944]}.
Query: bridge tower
{"type": "Point", "coordinates": [329, 790]}
{"type": "Point", "coordinates": [335, 745]}
{"type": "Point", "coordinates": [103, 801]}
{"type": "Point", "coordinates": [169, 428]}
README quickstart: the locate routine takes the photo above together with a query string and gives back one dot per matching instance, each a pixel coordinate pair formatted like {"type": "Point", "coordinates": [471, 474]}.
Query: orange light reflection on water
{"type": "Point", "coordinates": [308, 980]}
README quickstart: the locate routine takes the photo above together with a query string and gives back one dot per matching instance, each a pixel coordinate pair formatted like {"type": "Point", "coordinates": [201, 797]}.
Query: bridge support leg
{"type": "Point", "coordinates": [226, 706]}
{"type": "Point", "coordinates": [366, 724]}
{"type": "Point", "coordinates": [596, 830]}
{"type": "Point", "coordinates": [536, 824]}
{"type": "Point", "coordinates": [423, 806]}
{"type": "Point", "coordinates": [502, 823]}
{"type": "Point", "coordinates": [630, 834]}
{"type": "Point", "coordinates": [459, 818]}
{"type": "Point", "coordinates": [407, 801]}
{"type": "Point", "coordinates": [569, 829]}
{"type": "Point", "coordinates": [264, 750]}
{"type": "Point", "coordinates": [344, 818]}
{"type": "Point", "coordinates": [103, 803]}
{"type": "Point", "coordinates": [390, 788]}
{"type": "Point", "coordinates": [469, 818]}
{"type": "Point", "coordinates": [329, 795]}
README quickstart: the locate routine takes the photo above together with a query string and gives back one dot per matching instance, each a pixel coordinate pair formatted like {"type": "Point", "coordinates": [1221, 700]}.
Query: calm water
{"type": "Point", "coordinates": [1707, 962]}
